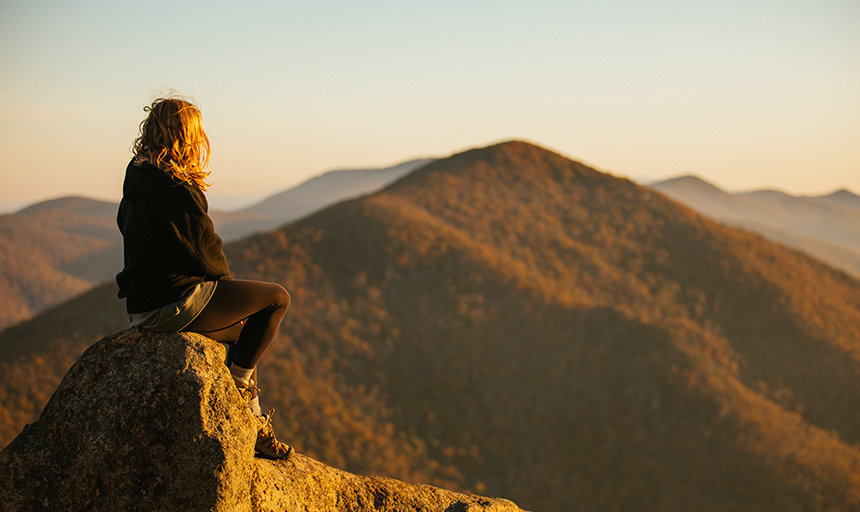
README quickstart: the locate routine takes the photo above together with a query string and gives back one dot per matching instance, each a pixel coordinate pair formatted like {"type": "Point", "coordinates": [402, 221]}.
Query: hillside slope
{"type": "Point", "coordinates": [513, 323]}
{"type": "Point", "coordinates": [55, 250]}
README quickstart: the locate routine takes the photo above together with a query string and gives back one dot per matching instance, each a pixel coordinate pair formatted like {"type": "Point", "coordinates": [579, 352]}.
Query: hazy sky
{"type": "Point", "coordinates": [745, 93]}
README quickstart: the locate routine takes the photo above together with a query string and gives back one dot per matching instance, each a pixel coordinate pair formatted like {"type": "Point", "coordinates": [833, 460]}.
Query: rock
{"type": "Point", "coordinates": [152, 421]}
{"type": "Point", "coordinates": [142, 421]}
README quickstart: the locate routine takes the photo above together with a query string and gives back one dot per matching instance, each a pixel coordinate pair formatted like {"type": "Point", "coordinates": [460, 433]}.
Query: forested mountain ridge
{"type": "Point", "coordinates": [55, 250]}
{"type": "Point", "coordinates": [509, 282]}
{"type": "Point", "coordinates": [514, 323]}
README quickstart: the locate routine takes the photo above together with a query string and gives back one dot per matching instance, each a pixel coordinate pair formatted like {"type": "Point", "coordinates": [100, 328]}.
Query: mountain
{"type": "Point", "coordinates": [509, 322]}
{"type": "Point", "coordinates": [826, 227]}
{"type": "Point", "coordinates": [54, 250]}
{"type": "Point", "coordinates": [310, 196]}
{"type": "Point", "coordinates": [843, 198]}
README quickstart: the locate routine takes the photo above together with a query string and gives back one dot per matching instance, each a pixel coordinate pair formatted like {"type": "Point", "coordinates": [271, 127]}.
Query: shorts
{"type": "Point", "coordinates": [176, 316]}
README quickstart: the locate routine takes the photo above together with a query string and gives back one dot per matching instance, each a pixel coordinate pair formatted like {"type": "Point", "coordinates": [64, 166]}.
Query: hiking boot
{"type": "Point", "coordinates": [247, 392]}
{"type": "Point", "coordinates": [268, 446]}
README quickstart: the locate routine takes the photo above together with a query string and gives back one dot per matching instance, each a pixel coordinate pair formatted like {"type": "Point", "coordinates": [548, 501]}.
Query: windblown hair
{"type": "Point", "coordinates": [172, 139]}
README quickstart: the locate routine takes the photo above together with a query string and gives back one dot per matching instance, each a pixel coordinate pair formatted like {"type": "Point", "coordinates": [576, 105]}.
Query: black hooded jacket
{"type": "Point", "coordinates": [169, 241]}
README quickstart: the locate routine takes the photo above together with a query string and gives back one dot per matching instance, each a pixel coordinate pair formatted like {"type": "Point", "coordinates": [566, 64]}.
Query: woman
{"type": "Point", "coordinates": [176, 276]}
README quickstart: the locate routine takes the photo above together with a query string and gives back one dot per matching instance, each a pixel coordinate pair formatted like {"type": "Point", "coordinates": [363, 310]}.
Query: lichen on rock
{"type": "Point", "coordinates": [152, 421]}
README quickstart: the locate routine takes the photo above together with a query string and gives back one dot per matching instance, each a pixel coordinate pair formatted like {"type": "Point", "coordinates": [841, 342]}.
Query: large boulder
{"type": "Point", "coordinates": [152, 421]}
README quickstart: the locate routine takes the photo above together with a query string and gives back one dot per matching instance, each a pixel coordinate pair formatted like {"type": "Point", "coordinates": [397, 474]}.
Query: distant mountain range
{"type": "Point", "coordinates": [511, 322]}
{"type": "Point", "coordinates": [310, 196]}
{"type": "Point", "coordinates": [827, 227]}
{"type": "Point", "coordinates": [54, 250]}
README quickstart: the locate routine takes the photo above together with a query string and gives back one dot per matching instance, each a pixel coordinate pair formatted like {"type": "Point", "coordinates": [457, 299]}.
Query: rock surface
{"type": "Point", "coordinates": [152, 421]}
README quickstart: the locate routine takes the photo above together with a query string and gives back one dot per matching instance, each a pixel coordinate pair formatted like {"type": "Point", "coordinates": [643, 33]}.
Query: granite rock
{"type": "Point", "coordinates": [152, 421]}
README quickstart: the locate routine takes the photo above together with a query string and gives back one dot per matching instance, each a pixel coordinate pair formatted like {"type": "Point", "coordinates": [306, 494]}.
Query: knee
{"type": "Point", "coordinates": [282, 296]}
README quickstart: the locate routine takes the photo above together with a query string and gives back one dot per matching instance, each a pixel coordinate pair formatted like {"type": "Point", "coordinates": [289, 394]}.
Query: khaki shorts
{"type": "Point", "coordinates": [176, 316]}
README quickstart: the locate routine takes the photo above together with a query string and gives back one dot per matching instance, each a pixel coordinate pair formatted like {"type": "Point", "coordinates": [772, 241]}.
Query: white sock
{"type": "Point", "coordinates": [255, 406]}
{"type": "Point", "coordinates": [241, 375]}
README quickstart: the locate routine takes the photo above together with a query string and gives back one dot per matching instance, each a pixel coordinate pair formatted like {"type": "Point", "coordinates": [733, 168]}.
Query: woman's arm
{"type": "Point", "coordinates": [195, 239]}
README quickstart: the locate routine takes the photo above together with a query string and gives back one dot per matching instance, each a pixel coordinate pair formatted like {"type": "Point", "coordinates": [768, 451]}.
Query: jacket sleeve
{"type": "Point", "coordinates": [196, 242]}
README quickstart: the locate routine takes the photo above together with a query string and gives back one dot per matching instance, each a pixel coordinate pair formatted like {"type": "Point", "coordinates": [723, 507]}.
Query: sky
{"type": "Point", "coordinates": [747, 94]}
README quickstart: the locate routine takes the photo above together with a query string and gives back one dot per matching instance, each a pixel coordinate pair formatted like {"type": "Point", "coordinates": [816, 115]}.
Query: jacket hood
{"type": "Point", "coordinates": [145, 179]}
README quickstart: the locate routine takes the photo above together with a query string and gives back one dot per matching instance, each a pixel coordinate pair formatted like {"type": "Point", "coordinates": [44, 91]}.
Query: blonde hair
{"type": "Point", "coordinates": [172, 139]}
